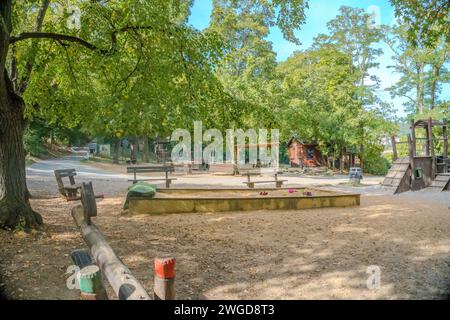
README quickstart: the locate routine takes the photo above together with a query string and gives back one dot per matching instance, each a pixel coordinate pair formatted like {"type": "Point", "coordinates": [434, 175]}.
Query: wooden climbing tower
{"type": "Point", "coordinates": [420, 169]}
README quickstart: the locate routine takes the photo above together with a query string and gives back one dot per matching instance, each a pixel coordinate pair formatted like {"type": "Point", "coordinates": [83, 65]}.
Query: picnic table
{"type": "Point", "coordinates": [145, 169]}
{"type": "Point", "coordinates": [251, 184]}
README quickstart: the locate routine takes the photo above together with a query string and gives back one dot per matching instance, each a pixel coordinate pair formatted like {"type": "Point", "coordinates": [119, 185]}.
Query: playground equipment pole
{"type": "Point", "coordinates": [430, 146]}
{"type": "Point", "coordinates": [91, 283]}
{"type": "Point", "coordinates": [164, 279]}
{"type": "Point", "coordinates": [445, 151]}
{"type": "Point", "coordinates": [413, 138]}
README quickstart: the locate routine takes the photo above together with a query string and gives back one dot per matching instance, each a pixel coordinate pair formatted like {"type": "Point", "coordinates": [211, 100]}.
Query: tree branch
{"type": "Point", "coordinates": [56, 37]}
{"type": "Point", "coordinates": [22, 86]}
{"type": "Point", "coordinates": [84, 43]}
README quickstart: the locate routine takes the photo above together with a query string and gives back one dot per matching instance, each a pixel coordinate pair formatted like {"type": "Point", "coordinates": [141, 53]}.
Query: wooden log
{"type": "Point", "coordinates": [164, 279]}
{"type": "Point", "coordinates": [91, 283]}
{"type": "Point", "coordinates": [118, 275]}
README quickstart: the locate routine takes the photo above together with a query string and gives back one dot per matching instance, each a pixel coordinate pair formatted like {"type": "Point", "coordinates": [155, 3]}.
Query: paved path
{"type": "Point", "coordinates": [41, 180]}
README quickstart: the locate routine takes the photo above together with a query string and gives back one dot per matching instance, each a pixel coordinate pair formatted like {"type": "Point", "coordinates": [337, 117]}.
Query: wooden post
{"type": "Point", "coordinates": [164, 283]}
{"type": "Point", "coordinates": [167, 179]}
{"type": "Point", "coordinates": [411, 156]}
{"type": "Point", "coordinates": [430, 145]}
{"type": "Point", "coordinates": [91, 283]}
{"type": "Point", "coordinates": [413, 138]}
{"type": "Point", "coordinates": [119, 276]}
{"type": "Point", "coordinates": [427, 141]}
{"type": "Point", "coordinates": [394, 149]}
{"type": "Point", "coordinates": [445, 152]}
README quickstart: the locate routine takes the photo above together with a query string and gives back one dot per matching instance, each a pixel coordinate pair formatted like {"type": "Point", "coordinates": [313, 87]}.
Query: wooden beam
{"type": "Point", "coordinates": [445, 152]}
{"type": "Point", "coordinates": [430, 146]}
{"type": "Point", "coordinates": [119, 276]}
{"type": "Point", "coordinates": [413, 138]}
{"type": "Point", "coordinates": [411, 156]}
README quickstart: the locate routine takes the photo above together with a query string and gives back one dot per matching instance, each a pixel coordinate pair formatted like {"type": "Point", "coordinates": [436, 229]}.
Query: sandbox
{"type": "Point", "coordinates": [218, 200]}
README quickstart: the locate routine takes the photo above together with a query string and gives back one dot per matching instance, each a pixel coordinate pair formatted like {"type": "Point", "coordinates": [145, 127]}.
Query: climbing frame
{"type": "Point", "coordinates": [399, 176]}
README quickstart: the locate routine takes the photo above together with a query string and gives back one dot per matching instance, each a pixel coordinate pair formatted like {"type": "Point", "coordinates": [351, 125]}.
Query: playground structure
{"type": "Point", "coordinates": [420, 169]}
{"type": "Point", "coordinates": [106, 264]}
{"type": "Point", "coordinates": [219, 200]}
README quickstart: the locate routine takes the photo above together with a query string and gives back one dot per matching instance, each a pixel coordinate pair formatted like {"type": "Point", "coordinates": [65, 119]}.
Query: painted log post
{"type": "Point", "coordinates": [91, 283]}
{"type": "Point", "coordinates": [164, 282]}
{"type": "Point", "coordinates": [118, 275]}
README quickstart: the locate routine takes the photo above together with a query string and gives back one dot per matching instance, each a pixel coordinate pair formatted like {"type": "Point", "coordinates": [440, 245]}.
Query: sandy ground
{"type": "Point", "coordinates": [305, 254]}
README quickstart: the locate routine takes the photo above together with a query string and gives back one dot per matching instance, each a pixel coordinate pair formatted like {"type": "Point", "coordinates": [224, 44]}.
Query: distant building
{"type": "Point", "coordinates": [303, 154]}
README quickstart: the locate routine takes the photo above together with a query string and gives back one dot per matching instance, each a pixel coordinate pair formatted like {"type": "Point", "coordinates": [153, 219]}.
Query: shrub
{"type": "Point", "coordinates": [33, 143]}
{"type": "Point", "coordinates": [375, 163]}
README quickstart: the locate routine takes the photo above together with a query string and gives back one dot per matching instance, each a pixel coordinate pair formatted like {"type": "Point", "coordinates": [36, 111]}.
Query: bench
{"type": "Point", "coordinates": [251, 184]}
{"type": "Point", "coordinates": [68, 191]}
{"type": "Point", "coordinates": [145, 169]}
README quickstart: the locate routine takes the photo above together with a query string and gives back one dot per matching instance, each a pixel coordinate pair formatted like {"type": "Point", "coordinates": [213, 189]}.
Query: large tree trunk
{"type": "Point", "coordinates": [15, 207]}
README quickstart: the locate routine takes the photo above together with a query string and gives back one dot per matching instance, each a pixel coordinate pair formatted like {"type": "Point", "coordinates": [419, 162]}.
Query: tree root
{"type": "Point", "coordinates": [18, 215]}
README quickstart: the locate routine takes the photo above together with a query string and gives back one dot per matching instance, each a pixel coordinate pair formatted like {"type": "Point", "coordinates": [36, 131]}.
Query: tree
{"type": "Point", "coordinates": [133, 67]}
{"type": "Point", "coordinates": [319, 99]}
{"type": "Point", "coordinates": [428, 20]}
{"type": "Point", "coordinates": [351, 33]}
{"type": "Point", "coordinates": [422, 69]}
{"type": "Point", "coordinates": [249, 63]}
{"type": "Point", "coordinates": [37, 69]}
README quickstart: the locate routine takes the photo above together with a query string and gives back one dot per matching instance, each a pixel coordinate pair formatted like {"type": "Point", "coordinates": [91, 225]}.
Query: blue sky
{"type": "Point", "coordinates": [317, 16]}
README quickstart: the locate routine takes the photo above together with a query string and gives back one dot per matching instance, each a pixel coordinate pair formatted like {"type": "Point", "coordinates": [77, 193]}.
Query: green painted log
{"type": "Point", "coordinates": [91, 283]}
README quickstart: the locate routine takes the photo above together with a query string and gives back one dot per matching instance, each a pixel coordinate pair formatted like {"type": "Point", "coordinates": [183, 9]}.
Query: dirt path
{"type": "Point", "coordinates": [306, 254]}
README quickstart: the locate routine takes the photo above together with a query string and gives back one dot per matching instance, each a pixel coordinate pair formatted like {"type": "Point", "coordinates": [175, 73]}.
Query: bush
{"type": "Point", "coordinates": [33, 143]}
{"type": "Point", "coordinates": [375, 163]}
